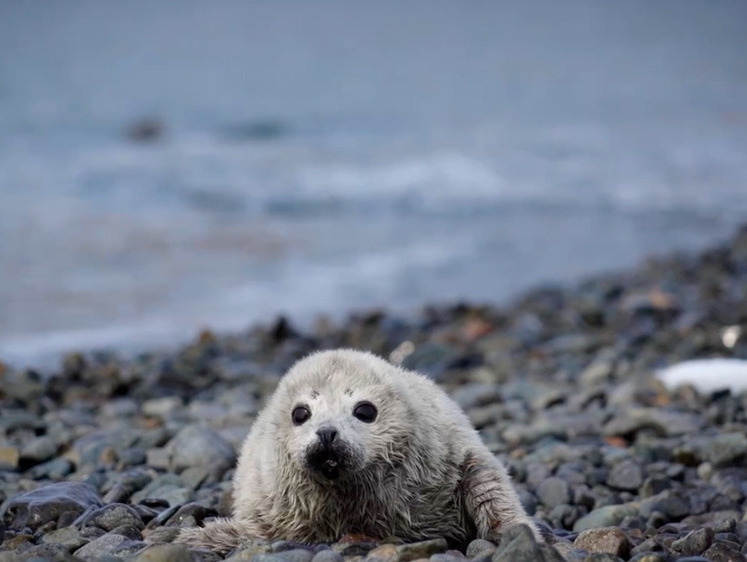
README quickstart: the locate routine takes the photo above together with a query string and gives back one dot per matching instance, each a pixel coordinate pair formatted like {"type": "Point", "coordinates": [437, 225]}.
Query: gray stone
{"type": "Point", "coordinates": [663, 422]}
{"type": "Point", "coordinates": [56, 469]}
{"type": "Point", "coordinates": [480, 547]}
{"type": "Point", "coordinates": [67, 536]}
{"type": "Point", "coordinates": [47, 551]}
{"type": "Point", "coordinates": [162, 407]}
{"type": "Point", "coordinates": [42, 505]}
{"type": "Point", "coordinates": [9, 458]}
{"type": "Point", "coordinates": [114, 515]}
{"type": "Point", "coordinates": [625, 475]}
{"type": "Point", "coordinates": [450, 556]}
{"type": "Point", "coordinates": [327, 556]}
{"type": "Point", "coordinates": [611, 540]}
{"type": "Point", "coordinates": [196, 445]}
{"type": "Point", "coordinates": [107, 545]}
{"type": "Point", "coordinates": [553, 491]}
{"type": "Point", "coordinates": [694, 543]}
{"type": "Point", "coordinates": [38, 450]}
{"type": "Point", "coordinates": [607, 516]}
{"type": "Point", "coordinates": [296, 555]}
{"type": "Point", "coordinates": [722, 450]}
{"type": "Point", "coordinates": [673, 504]}
{"type": "Point", "coordinates": [651, 557]}
{"type": "Point", "coordinates": [164, 553]}
{"type": "Point", "coordinates": [518, 545]}
{"type": "Point", "coordinates": [421, 549]}
{"type": "Point", "coordinates": [477, 394]}
{"type": "Point", "coordinates": [719, 552]}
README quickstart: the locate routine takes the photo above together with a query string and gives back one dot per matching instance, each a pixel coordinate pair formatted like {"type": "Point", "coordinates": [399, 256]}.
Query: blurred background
{"type": "Point", "coordinates": [167, 166]}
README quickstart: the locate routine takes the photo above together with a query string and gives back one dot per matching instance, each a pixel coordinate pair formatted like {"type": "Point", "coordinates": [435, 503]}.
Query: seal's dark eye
{"type": "Point", "coordinates": [300, 415]}
{"type": "Point", "coordinates": [366, 412]}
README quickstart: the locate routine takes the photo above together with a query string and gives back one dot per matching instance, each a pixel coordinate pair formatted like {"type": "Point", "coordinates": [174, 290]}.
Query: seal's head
{"type": "Point", "coordinates": [341, 414]}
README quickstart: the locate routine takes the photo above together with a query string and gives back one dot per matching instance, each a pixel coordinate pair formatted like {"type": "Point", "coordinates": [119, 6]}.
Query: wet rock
{"type": "Point", "coordinates": [611, 540]}
{"type": "Point", "coordinates": [43, 505]}
{"type": "Point", "coordinates": [148, 129]}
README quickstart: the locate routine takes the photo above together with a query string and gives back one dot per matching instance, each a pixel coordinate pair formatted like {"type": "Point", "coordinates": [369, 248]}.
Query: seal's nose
{"type": "Point", "coordinates": [327, 435]}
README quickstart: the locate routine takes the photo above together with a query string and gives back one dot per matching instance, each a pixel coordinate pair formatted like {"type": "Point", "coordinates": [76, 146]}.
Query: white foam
{"type": "Point", "coordinates": [707, 375]}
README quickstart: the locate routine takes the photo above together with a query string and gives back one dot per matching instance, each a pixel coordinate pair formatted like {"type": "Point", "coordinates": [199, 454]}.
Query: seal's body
{"type": "Point", "coordinates": [350, 444]}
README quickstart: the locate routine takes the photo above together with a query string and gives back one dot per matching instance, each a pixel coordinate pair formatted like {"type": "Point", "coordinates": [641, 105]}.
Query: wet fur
{"type": "Point", "coordinates": [419, 471]}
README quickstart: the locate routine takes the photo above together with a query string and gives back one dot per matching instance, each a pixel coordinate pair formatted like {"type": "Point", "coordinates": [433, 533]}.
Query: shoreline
{"type": "Point", "coordinates": [559, 382]}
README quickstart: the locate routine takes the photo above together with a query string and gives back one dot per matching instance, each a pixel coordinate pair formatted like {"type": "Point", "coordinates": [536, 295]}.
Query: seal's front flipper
{"type": "Point", "coordinates": [222, 535]}
{"type": "Point", "coordinates": [490, 498]}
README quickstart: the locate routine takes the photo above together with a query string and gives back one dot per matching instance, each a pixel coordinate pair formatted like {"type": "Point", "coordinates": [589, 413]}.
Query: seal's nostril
{"type": "Point", "coordinates": [327, 435]}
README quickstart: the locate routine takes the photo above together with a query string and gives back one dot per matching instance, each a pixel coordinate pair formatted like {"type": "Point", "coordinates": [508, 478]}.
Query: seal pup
{"type": "Point", "coordinates": [351, 444]}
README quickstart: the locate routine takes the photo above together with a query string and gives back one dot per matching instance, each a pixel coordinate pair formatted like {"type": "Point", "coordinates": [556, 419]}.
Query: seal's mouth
{"type": "Point", "coordinates": [326, 462]}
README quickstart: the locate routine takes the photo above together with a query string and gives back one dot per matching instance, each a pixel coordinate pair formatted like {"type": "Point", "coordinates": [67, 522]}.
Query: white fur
{"type": "Point", "coordinates": [418, 471]}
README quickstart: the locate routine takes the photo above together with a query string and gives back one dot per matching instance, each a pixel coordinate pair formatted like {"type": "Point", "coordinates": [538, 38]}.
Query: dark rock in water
{"type": "Point", "coordinates": [261, 130]}
{"type": "Point", "coordinates": [148, 129]}
{"type": "Point", "coordinates": [43, 505]}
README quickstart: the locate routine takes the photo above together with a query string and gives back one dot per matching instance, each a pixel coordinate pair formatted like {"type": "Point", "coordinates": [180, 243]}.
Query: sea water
{"type": "Point", "coordinates": [305, 157]}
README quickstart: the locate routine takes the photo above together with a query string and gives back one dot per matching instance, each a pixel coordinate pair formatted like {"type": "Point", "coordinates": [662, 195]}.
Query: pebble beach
{"type": "Point", "coordinates": [106, 457]}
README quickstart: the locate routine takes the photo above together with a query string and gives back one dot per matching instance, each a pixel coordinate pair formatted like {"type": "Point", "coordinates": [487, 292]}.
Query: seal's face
{"type": "Point", "coordinates": [341, 419]}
